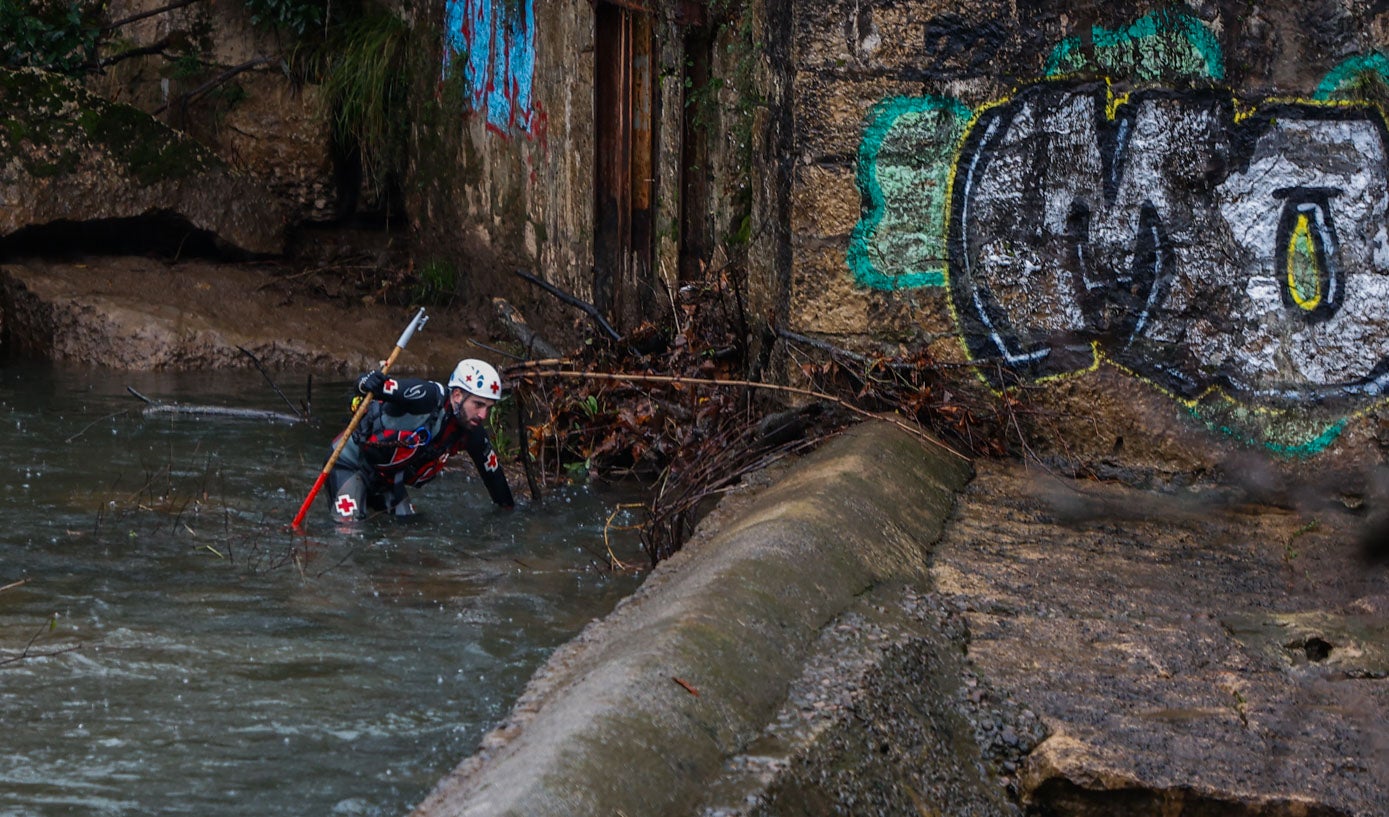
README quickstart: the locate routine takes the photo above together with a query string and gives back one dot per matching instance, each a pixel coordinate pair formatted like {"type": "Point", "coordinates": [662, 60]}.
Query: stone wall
{"type": "Point", "coordinates": [509, 184]}
{"type": "Point", "coordinates": [513, 182]}
{"type": "Point", "coordinates": [1087, 196]}
{"type": "Point", "coordinates": [259, 120]}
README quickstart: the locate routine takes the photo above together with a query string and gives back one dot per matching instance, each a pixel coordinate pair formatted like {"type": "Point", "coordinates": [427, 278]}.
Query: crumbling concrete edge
{"type": "Point", "coordinates": [888, 717]}
{"type": "Point", "coordinates": [643, 710]}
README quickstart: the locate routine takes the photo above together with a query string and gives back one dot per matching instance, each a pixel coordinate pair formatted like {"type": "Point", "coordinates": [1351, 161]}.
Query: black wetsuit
{"type": "Point", "coordinates": [405, 438]}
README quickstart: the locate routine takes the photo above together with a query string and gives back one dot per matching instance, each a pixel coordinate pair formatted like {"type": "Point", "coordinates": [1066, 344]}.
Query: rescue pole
{"type": "Point", "coordinates": [405, 336]}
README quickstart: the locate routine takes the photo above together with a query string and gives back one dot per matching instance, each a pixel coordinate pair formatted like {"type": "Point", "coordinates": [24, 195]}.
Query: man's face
{"type": "Point", "coordinates": [470, 409]}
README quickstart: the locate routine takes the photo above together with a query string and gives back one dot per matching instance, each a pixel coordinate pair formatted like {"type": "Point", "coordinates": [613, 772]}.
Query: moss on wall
{"type": "Point", "coordinates": [52, 126]}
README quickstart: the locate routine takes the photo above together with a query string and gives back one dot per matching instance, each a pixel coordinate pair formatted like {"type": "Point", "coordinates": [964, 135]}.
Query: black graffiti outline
{"type": "Point", "coordinates": [990, 333]}
{"type": "Point", "coordinates": [1314, 202]}
{"type": "Point", "coordinates": [975, 306]}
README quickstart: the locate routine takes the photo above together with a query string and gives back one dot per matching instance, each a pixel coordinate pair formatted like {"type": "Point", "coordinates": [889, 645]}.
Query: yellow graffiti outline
{"type": "Point", "coordinates": [1216, 394]}
{"type": "Point", "coordinates": [1114, 101]}
{"type": "Point", "coordinates": [1244, 110]}
{"type": "Point", "coordinates": [1302, 236]}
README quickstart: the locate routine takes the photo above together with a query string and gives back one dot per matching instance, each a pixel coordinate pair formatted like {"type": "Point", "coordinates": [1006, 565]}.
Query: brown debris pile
{"type": "Point", "coordinates": [674, 407]}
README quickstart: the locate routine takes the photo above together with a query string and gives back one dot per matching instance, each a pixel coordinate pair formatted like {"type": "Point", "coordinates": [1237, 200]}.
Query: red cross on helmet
{"type": "Point", "coordinates": [476, 377]}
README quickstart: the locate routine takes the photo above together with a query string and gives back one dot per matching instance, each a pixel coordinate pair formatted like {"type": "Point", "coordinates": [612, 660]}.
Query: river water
{"type": "Point", "coordinates": [187, 654]}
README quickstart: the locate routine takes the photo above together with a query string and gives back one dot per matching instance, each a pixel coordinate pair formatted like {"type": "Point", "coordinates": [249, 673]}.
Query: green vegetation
{"type": "Point", "coordinates": [298, 17]}
{"type": "Point", "coordinates": [150, 151]}
{"type": "Point", "coordinates": [356, 48]}
{"type": "Point", "coordinates": [364, 70]}
{"type": "Point", "coordinates": [56, 36]}
{"type": "Point", "coordinates": [438, 283]}
{"type": "Point", "coordinates": [64, 122]}
{"type": "Point", "coordinates": [503, 441]}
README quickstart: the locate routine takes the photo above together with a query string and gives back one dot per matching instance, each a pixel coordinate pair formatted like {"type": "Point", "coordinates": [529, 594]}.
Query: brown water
{"type": "Point", "coordinates": [188, 655]}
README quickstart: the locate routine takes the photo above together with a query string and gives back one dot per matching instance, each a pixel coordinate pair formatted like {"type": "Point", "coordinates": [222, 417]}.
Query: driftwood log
{"type": "Point", "coordinates": [157, 407]}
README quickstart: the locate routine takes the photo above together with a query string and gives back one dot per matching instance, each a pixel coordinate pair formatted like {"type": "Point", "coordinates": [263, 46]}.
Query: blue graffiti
{"type": "Point", "coordinates": [495, 42]}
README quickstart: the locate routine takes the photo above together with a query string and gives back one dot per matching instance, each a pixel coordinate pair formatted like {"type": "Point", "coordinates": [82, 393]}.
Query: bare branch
{"type": "Point", "coordinates": [200, 91]}
{"type": "Point", "coordinates": [587, 307]}
{"type": "Point", "coordinates": [178, 4]}
{"type": "Point", "coordinates": [261, 368]}
{"type": "Point", "coordinates": [28, 651]}
{"type": "Point", "coordinates": [13, 585]}
{"type": "Point", "coordinates": [914, 430]}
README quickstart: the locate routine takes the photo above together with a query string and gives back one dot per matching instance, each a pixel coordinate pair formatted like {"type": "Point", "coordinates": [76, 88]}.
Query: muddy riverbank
{"type": "Point", "coordinates": [131, 312]}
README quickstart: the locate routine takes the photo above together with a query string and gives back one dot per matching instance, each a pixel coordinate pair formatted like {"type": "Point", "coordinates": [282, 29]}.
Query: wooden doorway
{"type": "Point", "coordinates": [624, 190]}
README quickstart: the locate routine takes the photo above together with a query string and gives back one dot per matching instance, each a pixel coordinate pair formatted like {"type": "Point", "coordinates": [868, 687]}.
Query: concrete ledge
{"type": "Point", "coordinates": [606, 728]}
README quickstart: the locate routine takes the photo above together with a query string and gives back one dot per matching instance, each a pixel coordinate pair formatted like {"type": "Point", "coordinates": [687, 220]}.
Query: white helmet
{"type": "Point", "coordinates": [476, 377]}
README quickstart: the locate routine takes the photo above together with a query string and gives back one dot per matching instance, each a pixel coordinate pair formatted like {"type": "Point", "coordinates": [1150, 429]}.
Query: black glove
{"type": "Point", "coordinates": [371, 382]}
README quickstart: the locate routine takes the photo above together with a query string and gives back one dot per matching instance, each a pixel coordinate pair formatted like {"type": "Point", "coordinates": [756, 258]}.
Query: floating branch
{"type": "Point", "coordinates": [13, 585]}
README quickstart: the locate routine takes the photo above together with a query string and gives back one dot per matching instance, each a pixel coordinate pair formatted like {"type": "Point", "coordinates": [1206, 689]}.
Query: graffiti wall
{"type": "Point", "coordinates": [1128, 207]}
{"type": "Point", "coordinates": [492, 42]}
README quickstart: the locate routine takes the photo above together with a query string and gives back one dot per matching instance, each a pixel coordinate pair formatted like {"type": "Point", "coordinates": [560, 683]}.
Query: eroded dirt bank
{"type": "Point", "coordinates": [132, 312]}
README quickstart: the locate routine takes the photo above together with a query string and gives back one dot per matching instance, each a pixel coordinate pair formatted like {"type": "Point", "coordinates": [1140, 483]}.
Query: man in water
{"type": "Point", "coordinates": [407, 435]}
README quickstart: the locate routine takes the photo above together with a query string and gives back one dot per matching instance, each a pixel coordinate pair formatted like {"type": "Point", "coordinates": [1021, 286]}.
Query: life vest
{"type": "Point", "coordinates": [388, 443]}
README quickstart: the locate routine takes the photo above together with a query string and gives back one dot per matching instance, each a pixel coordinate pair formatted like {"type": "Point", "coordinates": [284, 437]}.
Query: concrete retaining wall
{"type": "Point", "coordinates": [641, 714]}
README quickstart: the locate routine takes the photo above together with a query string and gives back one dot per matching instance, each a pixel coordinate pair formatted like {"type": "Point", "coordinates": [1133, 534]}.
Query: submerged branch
{"type": "Point", "coordinates": [29, 652]}
{"type": "Point", "coordinates": [303, 415]}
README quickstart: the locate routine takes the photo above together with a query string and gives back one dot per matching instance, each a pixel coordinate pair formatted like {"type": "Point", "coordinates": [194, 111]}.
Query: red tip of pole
{"type": "Point", "coordinates": [298, 523]}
